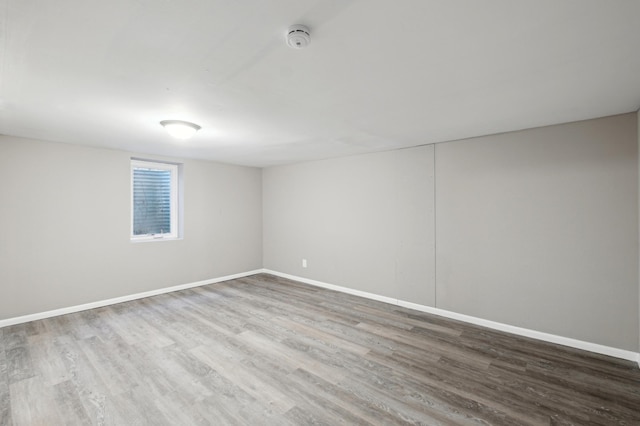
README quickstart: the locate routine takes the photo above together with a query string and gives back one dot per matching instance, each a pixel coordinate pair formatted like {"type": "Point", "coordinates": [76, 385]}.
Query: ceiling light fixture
{"type": "Point", "coordinates": [180, 129]}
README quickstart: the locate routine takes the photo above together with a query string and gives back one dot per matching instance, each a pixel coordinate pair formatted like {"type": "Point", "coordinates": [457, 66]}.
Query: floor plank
{"type": "Point", "coordinates": [267, 350]}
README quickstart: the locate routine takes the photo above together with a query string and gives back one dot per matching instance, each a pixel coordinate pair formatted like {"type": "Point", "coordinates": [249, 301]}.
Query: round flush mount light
{"type": "Point", "coordinates": [180, 129]}
{"type": "Point", "coordinates": [298, 37]}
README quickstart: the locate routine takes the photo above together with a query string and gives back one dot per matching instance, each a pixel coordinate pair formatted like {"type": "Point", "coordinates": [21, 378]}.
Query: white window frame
{"type": "Point", "coordinates": [174, 212]}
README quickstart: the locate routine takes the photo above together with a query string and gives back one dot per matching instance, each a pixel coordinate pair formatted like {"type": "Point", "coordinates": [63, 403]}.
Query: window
{"type": "Point", "coordinates": [154, 200]}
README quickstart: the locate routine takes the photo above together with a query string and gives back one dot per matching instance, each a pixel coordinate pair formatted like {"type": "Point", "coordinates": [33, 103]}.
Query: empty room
{"type": "Point", "coordinates": [298, 212]}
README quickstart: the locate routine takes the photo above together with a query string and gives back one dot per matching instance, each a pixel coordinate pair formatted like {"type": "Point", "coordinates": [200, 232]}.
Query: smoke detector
{"type": "Point", "coordinates": [298, 37]}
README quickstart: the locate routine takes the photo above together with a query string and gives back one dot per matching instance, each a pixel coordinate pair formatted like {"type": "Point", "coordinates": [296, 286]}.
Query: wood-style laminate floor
{"type": "Point", "coordinates": [264, 350]}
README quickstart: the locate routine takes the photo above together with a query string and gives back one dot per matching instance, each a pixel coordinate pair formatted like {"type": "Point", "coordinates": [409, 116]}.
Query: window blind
{"type": "Point", "coordinates": [151, 201]}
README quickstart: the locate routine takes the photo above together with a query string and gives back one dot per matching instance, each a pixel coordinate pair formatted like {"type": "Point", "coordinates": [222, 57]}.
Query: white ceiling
{"type": "Point", "coordinates": [378, 74]}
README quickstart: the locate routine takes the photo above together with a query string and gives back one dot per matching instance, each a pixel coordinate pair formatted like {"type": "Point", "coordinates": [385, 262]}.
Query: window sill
{"type": "Point", "coordinates": [154, 240]}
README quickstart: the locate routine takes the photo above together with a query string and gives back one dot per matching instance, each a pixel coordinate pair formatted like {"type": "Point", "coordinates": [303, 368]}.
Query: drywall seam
{"type": "Point", "coordinates": [435, 231]}
{"type": "Point", "coordinates": [107, 302]}
{"type": "Point", "coordinates": [547, 337]}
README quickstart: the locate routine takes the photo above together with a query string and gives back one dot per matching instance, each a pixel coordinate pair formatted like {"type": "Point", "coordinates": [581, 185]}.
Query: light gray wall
{"type": "Point", "coordinates": [537, 229]}
{"type": "Point", "coordinates": [65, 212]}
{"type": "Point", "coordinates": [364, 222]}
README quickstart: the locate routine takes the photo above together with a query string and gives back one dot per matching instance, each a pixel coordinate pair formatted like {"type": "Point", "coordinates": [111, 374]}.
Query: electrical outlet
{"type": "Point", "coordinates": [304, 263]}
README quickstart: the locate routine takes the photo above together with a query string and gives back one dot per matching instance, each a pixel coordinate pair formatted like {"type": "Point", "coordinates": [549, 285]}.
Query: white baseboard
{"type": "Point", "coordinates": [101, 303]}
{"type": "Point", "coordinates": [552, 338]}
{"type": "Point", "coordinates": [566, 341]}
